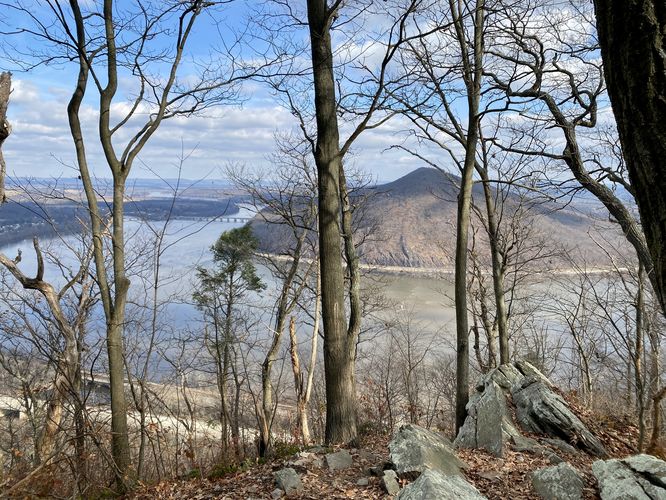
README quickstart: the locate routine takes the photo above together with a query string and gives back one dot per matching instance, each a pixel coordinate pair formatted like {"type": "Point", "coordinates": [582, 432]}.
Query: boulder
{"type": "Point", "coordinates": [364, 481]}
{"type": "Point", "coordinates": [389, 482]}
{"type": "Point", "coordinates": [339, 460]}
{"type": "Point", "coordinates": [433, 484]}
{"type": "Point", "coordinates": [559, 482]}
{"type": "Point", "coordinates": [542, 411]}
{"type": "Point", "coordinates": [641, 477]}
{"type": "Point", "coordinates": [289, 481]}
{"type": "Point", "coordinates": [488, 425]}
{"type": "Point", "coordinates": [538, 409]}
{"type": "Point", "coordinates": [414, 449]}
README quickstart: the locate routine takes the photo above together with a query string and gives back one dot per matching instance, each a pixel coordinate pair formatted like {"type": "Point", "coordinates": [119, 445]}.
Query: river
{"type": "Point", "coordinates": [186, 245]}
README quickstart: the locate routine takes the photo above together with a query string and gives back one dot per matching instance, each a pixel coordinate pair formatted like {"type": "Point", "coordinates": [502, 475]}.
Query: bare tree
{"type": "Point", "coordinates": [287, 214]}
{"type": "Point", "coordinates": [60, 340]}
{"type": "Point", "coordinates": [560, 73]}
{"type": "Point", "coordinates": [429, 105]}
{"type": "Point", "coordinates": [363, 102]}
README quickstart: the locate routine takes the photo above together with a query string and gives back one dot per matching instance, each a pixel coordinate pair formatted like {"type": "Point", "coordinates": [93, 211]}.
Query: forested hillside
{"type": "Point", "coordinates": [410, 223]}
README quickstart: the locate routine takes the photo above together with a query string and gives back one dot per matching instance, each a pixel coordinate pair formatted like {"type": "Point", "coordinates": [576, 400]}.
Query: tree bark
{"type": "Point", "coordinates": [5, 128]}
{"type": "Point", "coordinates": [633, 48]}
{"type": "Point", "coordinates": [501, 313]}
{"type": "Point", "coordinates": [338, 363]}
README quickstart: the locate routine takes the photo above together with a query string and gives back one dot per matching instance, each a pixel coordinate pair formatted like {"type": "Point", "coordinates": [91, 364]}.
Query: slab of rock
{"type": "Point", "coordinates": [488, 425]}
{"type": "Point", "coordinates": [559, 482]}
{"type": "Point", "coordinates": [542, 411]}
{"type": "Point", "coordinates": [414, 449]}
{"type": "Point", "coordinates": [562, 446]}
{"type": "Point", "coordinates": [339, 460]}
{"type": "Point", "coordinates": [364, 481]}
{"type": "Point", "coordinates": [433, 484]}
{"type": "Point", "coordinates": [506, 376]}
{"type": "Point", "coordinates": [289, 481]}
{"type": "Point", "coordinates": [529, 370]}
{"type": "Point", "coordinates": [526, 444]}
{"type": "Point", "coordinates": [389, 482]}
{"type": "Point", "coordinates": [641, 477]}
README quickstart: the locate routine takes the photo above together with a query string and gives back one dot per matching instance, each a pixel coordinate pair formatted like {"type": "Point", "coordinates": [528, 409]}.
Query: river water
{"type": "Point", "coordinates": [186, 245]}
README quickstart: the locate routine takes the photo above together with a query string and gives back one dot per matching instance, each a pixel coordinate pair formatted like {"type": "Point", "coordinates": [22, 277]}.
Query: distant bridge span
{"type": "Point", "coordinates": [235, 219]}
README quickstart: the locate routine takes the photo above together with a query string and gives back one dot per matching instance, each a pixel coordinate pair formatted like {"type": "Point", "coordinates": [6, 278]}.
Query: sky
{"type": "Point", "coordinates": [40, 144]}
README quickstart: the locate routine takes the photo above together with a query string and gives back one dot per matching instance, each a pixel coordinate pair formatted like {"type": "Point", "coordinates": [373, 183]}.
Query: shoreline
{"type": "Point", "coordinates": [431, 272]}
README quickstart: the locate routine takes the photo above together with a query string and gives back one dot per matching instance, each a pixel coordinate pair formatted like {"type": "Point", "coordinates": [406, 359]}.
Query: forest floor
{"type": "Point", "coordinates": [507, 477]}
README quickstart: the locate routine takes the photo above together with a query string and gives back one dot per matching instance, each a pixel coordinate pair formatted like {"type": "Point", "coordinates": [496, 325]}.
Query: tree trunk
{"type": "Point", "coordinates": [654, 446]}
{"type": "Point", "coordinates": [472, 73]}
{"type": "Point", "coordinates": [501, 313]}
{"type": "Point", "coordinates": [303, 425]}
{"type": "Point", "coordinates": [631, 35]}
{"type": "Point", "coordinates": [638, 359]}
{"type": "Point", "coordinates": [5, 129]}
{"type": "Point", "coordinates": [114, 340]}
{"type": "Point", "coordinates": [338, 364]}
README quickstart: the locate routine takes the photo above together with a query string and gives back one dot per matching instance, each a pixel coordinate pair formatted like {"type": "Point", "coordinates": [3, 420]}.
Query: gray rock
{"type": "Point", "coordinates": [554, 458]}
{"type": "Point", "coordinates": [641, 477]}
{"type": "Point", "coordinates": [339, 460]}
{"type": "Point", "coordinates": [506, 376]}
{"type": "Point", "coordinates": [364, 481]}
{"type": "Point", "coordinates": [649, 466]}
{"type": "Point", "coordinates": [435, 485]}
{"type": "Point", "coordinates": [526, 444]}
{"type": "Point", "coordinates": [542, 411]}
{"type": "Point", "coordinates": [490, 426]}
{"type": "Point", "coordinates": [563, 446]}
{"type": "Point", "coordinates": [559, 482]}
{"type": "Point", "coordinates": [414, 449]}
{"type": "Point", "coordinates": [277, 493]}
{"type": "Point", "coordinates": [487, 425]}
{"type": "Point", "coordinates": [306, 460]}
{"type": "Point", "coordinates": [288, 480]}
{"type": "Point", "coordinates": [529, 370]}
{"type": "Point", "coordinates": [389, 482]}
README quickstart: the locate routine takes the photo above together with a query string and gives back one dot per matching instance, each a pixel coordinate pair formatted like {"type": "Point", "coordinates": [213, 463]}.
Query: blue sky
{"type": "Point", "coordinates": [40, 144]}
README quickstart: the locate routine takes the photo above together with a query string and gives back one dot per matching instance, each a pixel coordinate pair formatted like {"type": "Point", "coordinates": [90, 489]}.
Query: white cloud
{"type": "Point", "coordinates": [41, 145]}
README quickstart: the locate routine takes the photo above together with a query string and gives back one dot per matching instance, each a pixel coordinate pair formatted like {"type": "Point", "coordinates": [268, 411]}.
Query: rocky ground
{"type": "Point", "coordinates": [553, 459]}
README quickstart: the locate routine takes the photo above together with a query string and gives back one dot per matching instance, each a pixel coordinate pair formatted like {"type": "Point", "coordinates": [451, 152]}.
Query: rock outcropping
{"type": "Point", "coordinates": [537, 408]}
{"type": "Point", "coordinates": [641, 477]}
{"type": "Point", "coordinates": [429, 458]}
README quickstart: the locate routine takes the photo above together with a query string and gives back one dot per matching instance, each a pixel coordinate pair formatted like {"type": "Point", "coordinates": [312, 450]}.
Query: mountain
{"type": "Point", "coordinates": [411, 222]}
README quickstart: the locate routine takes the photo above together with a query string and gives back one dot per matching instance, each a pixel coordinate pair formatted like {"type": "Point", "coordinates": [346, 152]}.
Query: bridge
{"type": "Point", "coordinates": [235, 219]}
